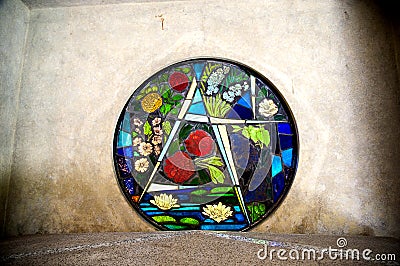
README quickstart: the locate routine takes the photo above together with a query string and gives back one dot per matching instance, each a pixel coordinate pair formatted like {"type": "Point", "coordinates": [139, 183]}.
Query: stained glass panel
{"type": "Point", "coordinates": [206, 144]}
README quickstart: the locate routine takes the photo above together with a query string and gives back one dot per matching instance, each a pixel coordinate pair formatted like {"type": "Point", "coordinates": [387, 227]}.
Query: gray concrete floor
{"type": "Point", "coordinates": [190, 247]}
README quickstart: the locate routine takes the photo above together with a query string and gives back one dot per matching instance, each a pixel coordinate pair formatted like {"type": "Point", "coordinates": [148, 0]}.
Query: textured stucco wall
{"type": "Point", "coordinates": [333, 61]}
{"type": "Point", "coordinates": [14, 19]}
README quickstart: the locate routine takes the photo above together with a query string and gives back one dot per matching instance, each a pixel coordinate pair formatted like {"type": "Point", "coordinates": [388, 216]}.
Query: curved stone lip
{"type": "Point", "coordinates": [250, 70]}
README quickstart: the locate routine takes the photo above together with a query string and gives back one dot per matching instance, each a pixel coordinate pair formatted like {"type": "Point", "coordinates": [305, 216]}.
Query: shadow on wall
{"type": "Point", "coordinates": [378, 109]}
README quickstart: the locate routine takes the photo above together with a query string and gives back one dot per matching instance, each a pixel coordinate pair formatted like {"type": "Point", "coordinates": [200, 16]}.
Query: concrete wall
{"type": "Point", "coordinates": [14, 19]}
{"type": "Point", "coordinates": [334, 62]}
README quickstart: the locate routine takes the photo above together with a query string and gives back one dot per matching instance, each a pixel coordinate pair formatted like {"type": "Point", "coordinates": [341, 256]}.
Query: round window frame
{"type": "Point", "coordinates": [250, 71]}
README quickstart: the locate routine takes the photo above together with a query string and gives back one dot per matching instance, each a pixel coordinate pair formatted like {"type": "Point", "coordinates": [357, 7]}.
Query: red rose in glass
{"type": "Point", "coordinates": [199, 143]}
{"type": "Point", "coordinates": [179, 167]}
{"type": "Point", "coordinates": [178, 81]}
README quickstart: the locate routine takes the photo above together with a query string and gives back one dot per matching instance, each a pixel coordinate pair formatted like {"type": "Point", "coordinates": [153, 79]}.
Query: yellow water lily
{"type": "Point", "coordinates": [218, 212]}
{"type": "Point", "coordinates": [165, 202]}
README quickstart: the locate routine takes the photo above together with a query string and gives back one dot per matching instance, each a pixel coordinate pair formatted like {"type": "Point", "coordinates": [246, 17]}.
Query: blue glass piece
{"type": "Point", "coordinates": [120, 151]}
{"type": "Point", "coordinates": [124, 166]}
{"type": "Point", "coordinates": [146, 209]}
{"type": "Point", "coordinates": [130, 185]}
{"type": "Point", "coordinates": [233, 115]}
{"type": "Point", "coordinates": [240, 112]}
{"type": "Point", "coordinates": [195, 208]}
{"type": "Point", "coordinates": [127, 152]}
{"type": "Point", "coordinates": [196, 215]}
{"type": "Point", "coordinates": [285, 141]}
{"type": "Point", "coordinates": [237, 208]}
{"type": "Point", "coordinates": [278, 185]}
{"type": "Point", "coordinates": [239, 217]}
{"type": "Point", "coordinates": [227, 227]}
{"type": "Point", "coordinates": [276, 165]}
{"type": "Point", "coordinates": [258, 194]}
{"type": "Point", "coordinates": [245, 100]}
{"type": "Point", "coordinates": [124, 139]}
{"type": "Point", "coordinates": [147, 197]}
{"type": "Point", "coordinates": [284, 128]}
{"type": "Point", "coordinates": [287, 157]}
{"type": "Point", "coordinates": [126, 123]}
{"type": "Point", "coordinates": [151, 213]}
{"type": "Point", "coordinates": [198, 69]}
{"type": "Point", "coordinates": [197, 97]}
{"type": "Point", "coordinates": [240, 150]}
{"type": "Point", "coordinates": [197, 108]}
{"type": "Point", "coordinates": [183, 197]}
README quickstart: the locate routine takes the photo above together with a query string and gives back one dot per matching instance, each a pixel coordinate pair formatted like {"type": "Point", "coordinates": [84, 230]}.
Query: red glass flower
{"type": "Point", "coordinates": [179, 167]}
{"type": "Point", "coordinates": [199, 143]}
{"type": "Point", "coordinates": [178, 81]}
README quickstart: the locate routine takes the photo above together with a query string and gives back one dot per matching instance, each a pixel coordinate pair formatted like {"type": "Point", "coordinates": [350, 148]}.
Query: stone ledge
{"type": "Point", "coordinates": [178, 248]}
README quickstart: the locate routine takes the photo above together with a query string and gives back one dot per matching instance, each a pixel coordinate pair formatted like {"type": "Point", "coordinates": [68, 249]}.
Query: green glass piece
{"type": "Point", "coordinates": [188, 220]}
{"type": "Point", "coordinates": [163, 219]}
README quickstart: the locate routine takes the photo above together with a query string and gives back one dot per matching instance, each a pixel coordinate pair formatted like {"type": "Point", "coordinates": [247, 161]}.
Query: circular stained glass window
{"type": "Point", "coordinates": [205, 144]}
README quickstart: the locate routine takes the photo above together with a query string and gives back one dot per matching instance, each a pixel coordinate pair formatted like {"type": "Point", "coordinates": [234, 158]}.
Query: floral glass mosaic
{"type": "Point", "coordinates": [206, 144]}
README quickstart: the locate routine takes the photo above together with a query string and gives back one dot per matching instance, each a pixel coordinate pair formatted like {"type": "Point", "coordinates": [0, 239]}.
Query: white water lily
{"type": "Point", "coordinates": [164, 201]}
{"type": "Point", "coordinates": [267, 108]}
{"type": "Point", "coordinates": [218, 212]}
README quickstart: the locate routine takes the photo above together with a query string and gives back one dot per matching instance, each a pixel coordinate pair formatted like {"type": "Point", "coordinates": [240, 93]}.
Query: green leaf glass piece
{"type": "Point", "coordinates": [166, 125]}
{"type": "Point", "coordinates": [253, 133]}
{"type": "Point", "coordinates": [175, 226]}
{"type": "Point", "coordinates": [199, 192]}
{"type": "Point", "coordinates": [188, 220]}
{"type": "Point", "coordinates": [177, 97]}
{"type": "Point", "coordinates": [216, 175]}
{"type": "Point", "coordinates": [185, 70]}
{"type": "Point", "coordinates": [207, 71]}
{"type": "Point", "coordinates": [236, 128]}
{"type": "Point", "coordinates": [163, 219]}
{"type": "Point", "coordinates": [163, 89]}
{"type": "Point", "coordinates": [147, 128]}
{"type": "Point", "coordinates": [279, 117]}
{"type": "Point", "coordinates": [246, 132]}
{"type": "Point", "coordinates": [204, 177]}
{"type": "Point", "coordinates": [164, 78]}
{"type": "Point", "coordinates": [162, 109]}
{"type": "Point", "coordinates": [174, 147]}
{"type": "Point", "coordinates": [220, 190]}
{"type": "Point", "coordinates": [165, 108]}
{"type": "Point", "coordinates": [185, 131]}
{"type": "Point", "coordinates": [263, 136]}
